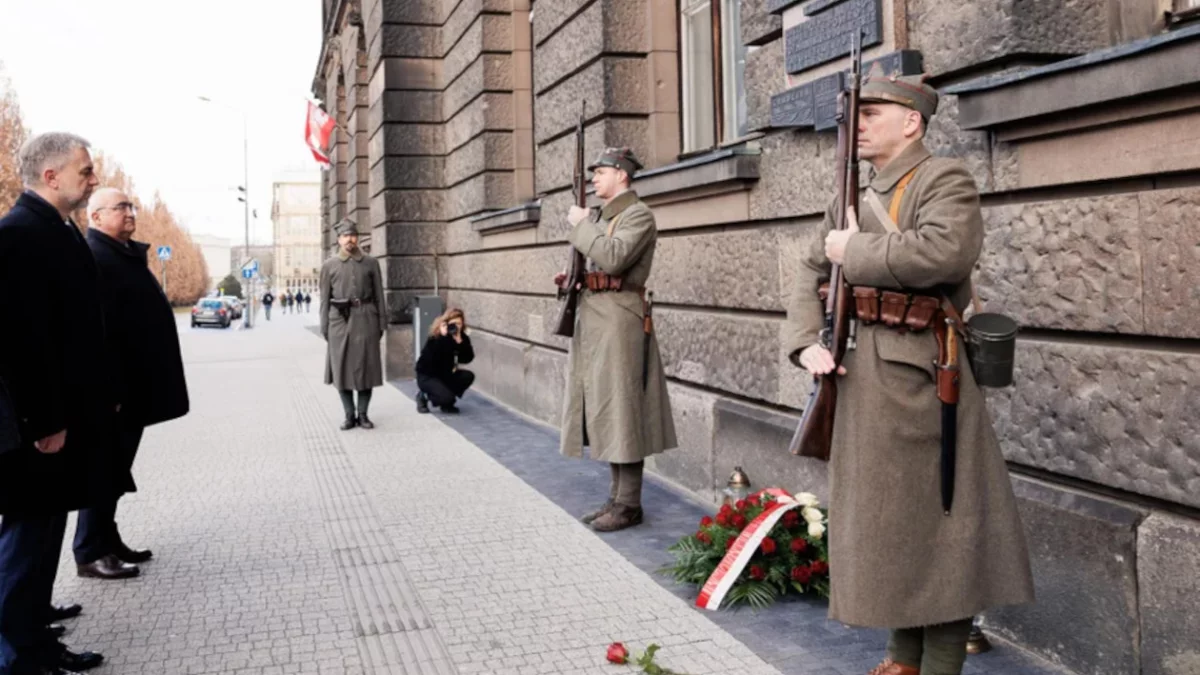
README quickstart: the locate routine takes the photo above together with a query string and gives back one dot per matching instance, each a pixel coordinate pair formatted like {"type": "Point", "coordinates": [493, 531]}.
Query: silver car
{"type": "Point", "coordinates": [212, 311]}
{"type": "Point", "coordinates": [234, 303]}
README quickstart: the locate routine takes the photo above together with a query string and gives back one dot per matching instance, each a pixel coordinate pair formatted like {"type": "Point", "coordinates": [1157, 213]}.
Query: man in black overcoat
{"type": "Point", "coordinates": [51, 357]}
{"type": "Point", "coordinates": [144, 342]}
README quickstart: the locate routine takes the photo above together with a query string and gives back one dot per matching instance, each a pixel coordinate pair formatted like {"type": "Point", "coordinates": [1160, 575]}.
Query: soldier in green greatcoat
{"type": "Point", "coordinates": [896, 559]}
{"type": "Point", "coordinates": [352, 322]}
{"type": "Point", "coordinates": [616, 402]}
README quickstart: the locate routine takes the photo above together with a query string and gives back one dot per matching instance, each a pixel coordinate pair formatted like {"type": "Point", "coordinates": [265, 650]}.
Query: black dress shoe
{"type": "Point", "coordinates": [63, 612]}
{"type": "Point", "coordinates": [422, 402]}
{"type": "Point", "coordinates": [126, 554]}
{"type": "Point", "coordinates": [365, 422]}
{"type": "Point", "coordinates": [108, 567]}
{"type": "Point", "coordinates": [450, 409]}
{"type": "Point", "coordinates": [77, 662]}
{"type": "Point", "coordinates": [349, 423]}
{"type": "Point", "coordinates": [56, 630]}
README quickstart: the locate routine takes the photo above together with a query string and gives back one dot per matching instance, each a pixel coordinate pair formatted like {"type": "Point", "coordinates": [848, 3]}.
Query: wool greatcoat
{"type": "Point", "coordinates": [606, 407]}
{"type": "Point", "coordinates": [895, 560]}
{"type": "Point", "coordinates": [352, 361]}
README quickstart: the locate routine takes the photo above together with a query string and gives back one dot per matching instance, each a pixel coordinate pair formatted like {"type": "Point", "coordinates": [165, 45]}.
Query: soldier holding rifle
{"type": "Point", "coordinates": [616, 401]}
{"type": "Point", "coordinates": [903, 554]}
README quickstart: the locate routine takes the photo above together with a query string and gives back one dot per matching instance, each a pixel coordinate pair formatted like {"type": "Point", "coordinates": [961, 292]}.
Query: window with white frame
{"type": "Point", "coordinates": [713, 84]}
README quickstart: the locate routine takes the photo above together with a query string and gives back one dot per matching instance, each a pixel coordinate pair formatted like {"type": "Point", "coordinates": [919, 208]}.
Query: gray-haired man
{"type": "Point", "coordinates": [60, 389]}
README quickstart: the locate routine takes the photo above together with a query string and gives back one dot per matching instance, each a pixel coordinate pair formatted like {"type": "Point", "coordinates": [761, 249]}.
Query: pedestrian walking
{"type": "Point", "coordinates": [440, 380]}
{"type": "Point", "coordinates": [287, 301]}
{"type": "Point", "coordinates": [352, 324]}
{"type": "Point", "coordinates": [308, 303]}
{"type": "Point", "coordinates": [897, 558]}
{"type": "Point", "coordinates": [141, 329]}
{"type": "Point", "coordinates": [616, 402]}
{"type": "Point", "coordinates": [267, 300]}
{"type": "Point", "coordinates": [53, 359]}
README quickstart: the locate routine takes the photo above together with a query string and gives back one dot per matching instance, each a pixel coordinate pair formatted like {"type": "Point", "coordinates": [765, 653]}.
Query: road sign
{"type": "Point", "coordinates": [249, 273]}
{"type": "Point", "coordinates": [164, 252]}
{"type": "Point", "coordinates": [251, 265]}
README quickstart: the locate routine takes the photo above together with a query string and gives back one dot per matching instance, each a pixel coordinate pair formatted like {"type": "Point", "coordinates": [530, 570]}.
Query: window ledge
{"type": "Point", "coordinates": [1125, 72]}
{"type": "Point", "coordinates": [734, 167]}
{"type": "Point", "coordinates": [521, 217]}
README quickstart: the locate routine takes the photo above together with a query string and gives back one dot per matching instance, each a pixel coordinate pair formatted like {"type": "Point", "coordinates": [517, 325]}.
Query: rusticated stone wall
{"type": "Point", "coordinates": [462, 108]}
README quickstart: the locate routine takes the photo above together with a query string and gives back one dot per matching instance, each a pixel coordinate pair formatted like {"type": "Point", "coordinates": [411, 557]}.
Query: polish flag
{"type": "Point", "coordinates": [317, 130]}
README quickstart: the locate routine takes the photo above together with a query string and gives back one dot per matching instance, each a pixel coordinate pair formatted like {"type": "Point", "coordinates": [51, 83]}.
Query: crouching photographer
{"type": "Point", "coordinates": [439, 378]}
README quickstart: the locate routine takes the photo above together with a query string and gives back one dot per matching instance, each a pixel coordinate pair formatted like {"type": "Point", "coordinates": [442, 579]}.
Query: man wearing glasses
{"type": "Point", "coordinates": [144, 344]}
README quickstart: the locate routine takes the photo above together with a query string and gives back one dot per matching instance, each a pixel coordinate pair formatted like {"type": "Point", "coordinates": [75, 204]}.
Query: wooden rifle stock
{"type": "Point", "coordinates": [814, 434]}
{"type": "Point", "coordinates": [568, 291]}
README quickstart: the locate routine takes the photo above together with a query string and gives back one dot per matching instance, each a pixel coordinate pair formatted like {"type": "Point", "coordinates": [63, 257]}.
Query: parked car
{"type": "Point", "coordinates": [235, 303]}
{"type": "Point", "coordinates": [212, 311]}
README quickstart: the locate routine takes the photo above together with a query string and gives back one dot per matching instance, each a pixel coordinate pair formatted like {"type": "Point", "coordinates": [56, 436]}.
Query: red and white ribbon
{"type": "Point", "coordinates": [738, 555]}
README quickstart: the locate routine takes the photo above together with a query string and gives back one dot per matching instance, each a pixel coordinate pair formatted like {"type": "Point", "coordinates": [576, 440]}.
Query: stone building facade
{"type": "Point", "coordinates": [296, 230]}
{"type": "Point", "coordinates": [1078, 119]}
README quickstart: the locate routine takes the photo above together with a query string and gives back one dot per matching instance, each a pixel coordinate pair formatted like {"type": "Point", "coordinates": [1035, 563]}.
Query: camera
{"type": "Point", "coordinates": [452, 329]}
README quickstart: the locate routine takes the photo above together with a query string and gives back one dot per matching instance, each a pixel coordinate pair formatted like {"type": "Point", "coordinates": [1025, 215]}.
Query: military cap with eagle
{"type": "Point", "coordinates": [618, 158]}
{"type": "Point", "coordinates": [345, 226]}
{"type": "Point", "coordinates": [909, 91]}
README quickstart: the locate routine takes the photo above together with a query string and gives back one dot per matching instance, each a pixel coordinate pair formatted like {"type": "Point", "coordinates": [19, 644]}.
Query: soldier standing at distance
{"type": "Point", "coordinates": [616, 401]}
{"type": "Point", "coordinates": [352, 323]}
{"type": "Point", "coordinates": [897, 559]}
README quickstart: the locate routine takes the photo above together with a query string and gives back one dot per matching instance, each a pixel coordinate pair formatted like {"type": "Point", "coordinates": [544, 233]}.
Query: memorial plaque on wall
{"type": "Point", "coordinates": [814, 104]}
{"type": "Point", "coordinates": [793, 108]}
{"type": "Point", "coordinates": [827, 33]}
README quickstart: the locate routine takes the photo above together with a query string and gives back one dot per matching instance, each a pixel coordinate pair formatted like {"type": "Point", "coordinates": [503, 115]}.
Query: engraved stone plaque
{"type": "Point", "coordinates": [827, 35]}
{"type": "Point", "coordinates": [825, 96]}
{"type": "Point", "coordinates": [793, 108]}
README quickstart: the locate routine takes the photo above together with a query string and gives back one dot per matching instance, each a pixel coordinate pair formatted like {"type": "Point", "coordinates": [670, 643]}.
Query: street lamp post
{"type": "Point", "coordinates": [245, 199]}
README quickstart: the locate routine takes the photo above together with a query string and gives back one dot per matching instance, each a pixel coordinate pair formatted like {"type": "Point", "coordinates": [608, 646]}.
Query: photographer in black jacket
{"type": "Point", "coordinates": [439, 378]}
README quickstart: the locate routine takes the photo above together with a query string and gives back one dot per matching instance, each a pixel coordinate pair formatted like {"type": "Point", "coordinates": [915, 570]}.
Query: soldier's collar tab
{"type": "Point", "coordinates": [618, 204]}
{"type": "Point", "coordinates": [343, 256]}
{"type": "Point", "coordinates": [906, 161]}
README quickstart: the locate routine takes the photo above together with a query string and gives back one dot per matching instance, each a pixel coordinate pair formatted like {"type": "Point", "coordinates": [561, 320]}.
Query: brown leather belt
{"type": "Point", "coordinates": [600, 282]}
{"type": "Point", "coordinates": [353, 302]}
{"type": "Point", "coordinates": [901, 310]}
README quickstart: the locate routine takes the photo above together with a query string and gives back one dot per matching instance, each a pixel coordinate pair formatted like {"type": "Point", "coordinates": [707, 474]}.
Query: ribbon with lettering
{"type": "Point", "coordinates": [738, 555]}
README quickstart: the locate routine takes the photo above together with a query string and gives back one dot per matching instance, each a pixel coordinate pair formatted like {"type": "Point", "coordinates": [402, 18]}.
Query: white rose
{"type": "Point", "coordinates": [813, 515]}
{"type": "Point", "coordinates": [815, 530]}
{"type": "Point", "coordinates": [807, 499]}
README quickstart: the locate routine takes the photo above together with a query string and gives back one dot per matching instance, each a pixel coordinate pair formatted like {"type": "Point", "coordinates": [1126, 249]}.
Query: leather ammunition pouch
{"type": "Point", "coordinates": [600, 282]}
{"type": "Point", "coordinates": [894, 309]}
{"type": "Point", "coordinates": [343, 305]}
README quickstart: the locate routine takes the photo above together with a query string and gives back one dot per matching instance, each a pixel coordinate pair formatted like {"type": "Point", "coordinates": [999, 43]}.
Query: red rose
{"type": "Point", "coordinates": [726, 509]}
{"type": "Point", "coordinates": [798, 545]}
{"type": "Point", "coordinates": [703, 537]}
{"type": "Point", "coordinates": [768, 546]}
{"type": "Point", "coordinates": [740, 505]}
{"type": "Point", "coordinates": [791, 519]}
{"type": "Point", "coordinates": [801, 574]}
{"type": "Point", "coordinates": [706, 521]}
{"type": "Point", "coordinates": [723, 519]}
{"type": "Point", "coordinates": [753, 499]}
{"type": "Point", "coordinates": [819, 567]}
{"type": "Point", "coordinates": [739, 521]}
{"type": "Point", "coordinates": [757, 573]}
{"type": "Point", "coordinates": [729, 543]}
{"type": "Point", "coordinates": [617, 653]}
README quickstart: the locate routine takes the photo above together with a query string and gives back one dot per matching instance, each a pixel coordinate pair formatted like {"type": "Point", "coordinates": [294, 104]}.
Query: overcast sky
{"type": "Point", "coordinates": [126, 75]}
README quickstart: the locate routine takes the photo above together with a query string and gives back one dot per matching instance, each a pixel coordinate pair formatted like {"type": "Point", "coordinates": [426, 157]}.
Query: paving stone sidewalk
{"type": "Point", "coordinates": [284, 546]}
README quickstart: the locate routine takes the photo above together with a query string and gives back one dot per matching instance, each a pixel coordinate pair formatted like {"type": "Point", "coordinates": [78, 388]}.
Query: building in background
{"type": "Point", "coordinates": [296, 223]}
{"type": "Point", "coordinates": [1077, 120]}
{"type": "Point", "coordinates": [216, 255]}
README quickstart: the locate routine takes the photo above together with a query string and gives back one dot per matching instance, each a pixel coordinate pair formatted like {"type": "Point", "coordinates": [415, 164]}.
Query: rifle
{"type": "Point", "coordinates": [814, 434]}
{"type": "Point", "coordinates": [568, 291]}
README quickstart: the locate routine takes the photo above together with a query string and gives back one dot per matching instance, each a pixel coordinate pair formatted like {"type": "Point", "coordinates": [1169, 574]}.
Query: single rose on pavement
{"type": "Point", "coordinates": [617, 653]}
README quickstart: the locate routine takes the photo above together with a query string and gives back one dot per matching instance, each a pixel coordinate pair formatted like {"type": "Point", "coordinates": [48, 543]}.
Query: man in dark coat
{"type": "Point", "coordinates": [267, 301]}
{"type": "Point", "coordinates": [51, 358]}
{"type": "Point", "coordinates": [141, 333]}
{"type": "Point", "coordinates": [352, 323]}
